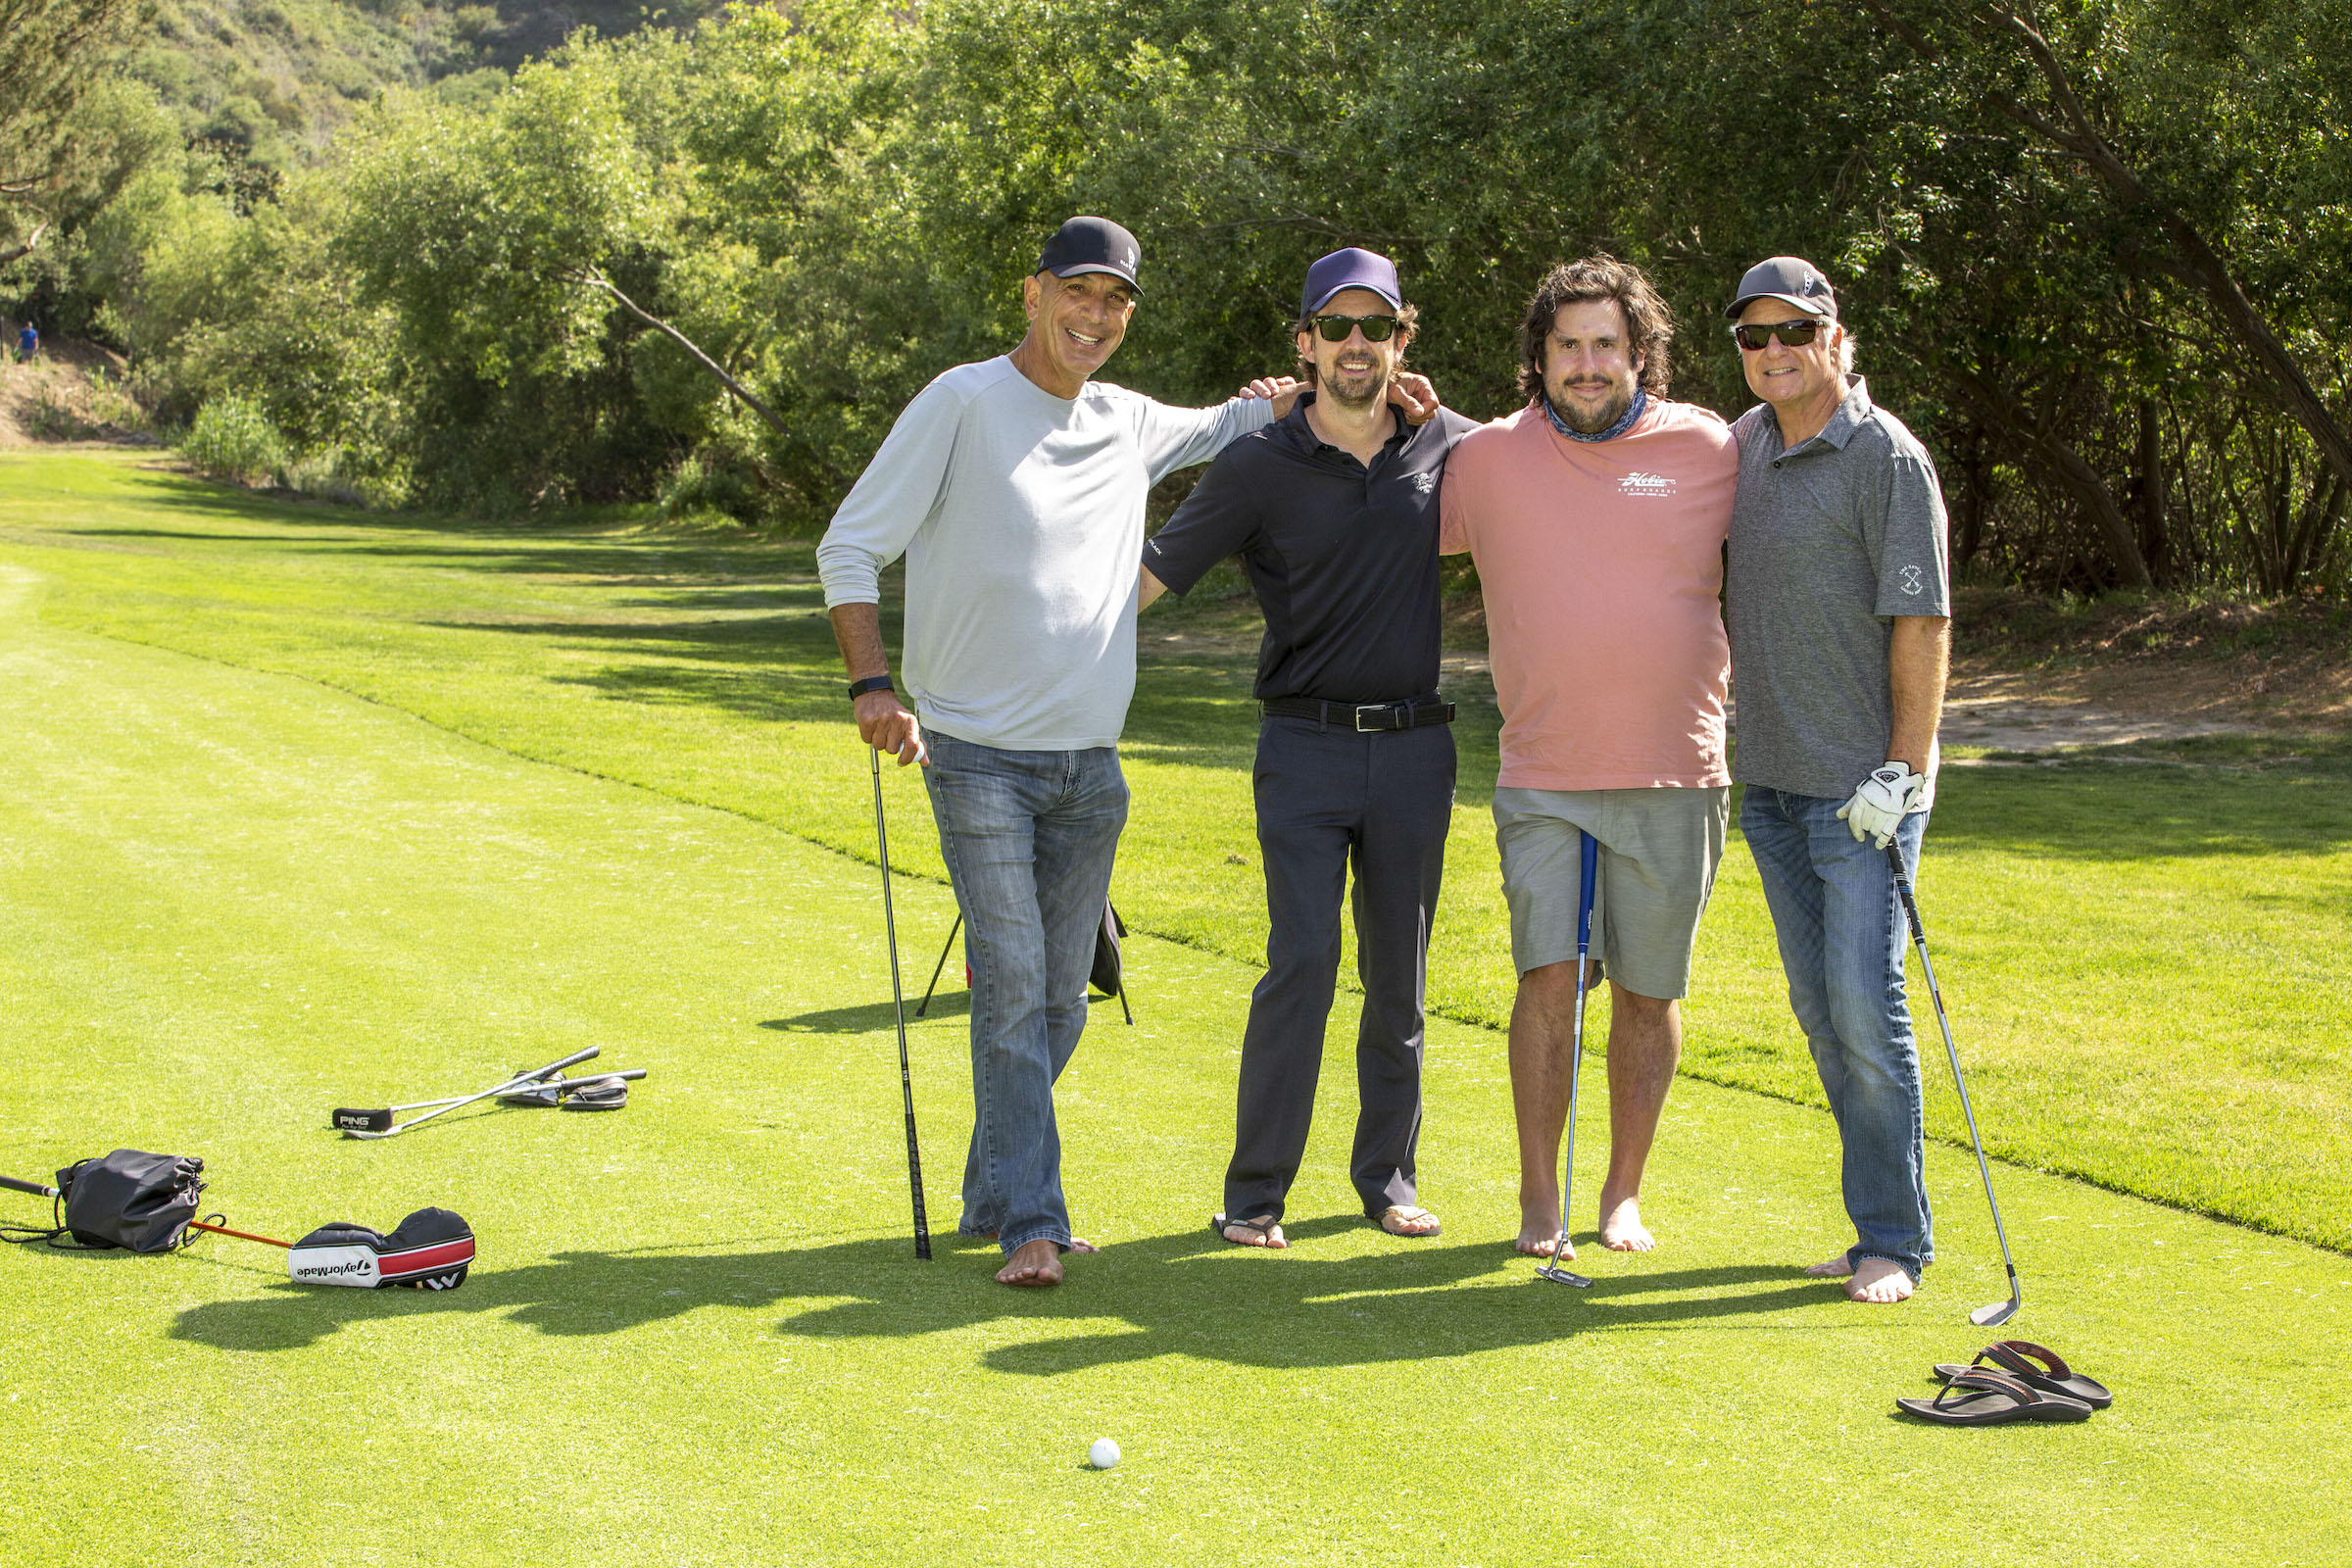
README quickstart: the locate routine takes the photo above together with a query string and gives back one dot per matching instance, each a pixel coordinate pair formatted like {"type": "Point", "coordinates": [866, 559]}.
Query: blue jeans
{"type": "Point", "coordinates": [1028, 838]}
{"type": "Point", "coordinates": [1841, 935]}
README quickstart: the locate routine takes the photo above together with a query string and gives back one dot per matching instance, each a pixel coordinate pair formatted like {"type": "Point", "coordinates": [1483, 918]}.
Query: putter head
{"type": "Point", "coordinates": [1564, 1276]}
{"type": "Point", "coordinates": [1996, 1313]}
{"type": "Point", "coordinates": [360, 1121]}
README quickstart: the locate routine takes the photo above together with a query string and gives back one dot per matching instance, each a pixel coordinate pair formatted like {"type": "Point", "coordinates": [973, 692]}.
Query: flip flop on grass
{"type": "Point", "coordinates": [2037, 1367]}
{"type": "Point", "coordinates": [1977, 1397]}
{"type": "Point", "coordinates": [1265, 1229]}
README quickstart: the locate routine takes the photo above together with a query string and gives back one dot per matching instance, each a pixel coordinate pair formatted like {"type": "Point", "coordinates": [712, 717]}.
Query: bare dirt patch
{"type": "Point", "coordinates": [71, 391]}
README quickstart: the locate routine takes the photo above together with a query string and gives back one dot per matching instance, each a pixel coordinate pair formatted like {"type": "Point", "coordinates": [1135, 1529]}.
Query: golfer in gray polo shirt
{"type": "Point", "coordinates": [1838, 609]}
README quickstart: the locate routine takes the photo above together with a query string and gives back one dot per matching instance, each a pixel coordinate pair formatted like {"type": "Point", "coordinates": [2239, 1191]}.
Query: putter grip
{"type": "Point", "coordinates": [34, 1187]}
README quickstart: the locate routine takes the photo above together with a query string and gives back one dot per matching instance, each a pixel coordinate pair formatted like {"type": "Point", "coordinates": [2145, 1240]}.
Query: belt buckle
{"type": "Point", "coordinates": [1361, 709]}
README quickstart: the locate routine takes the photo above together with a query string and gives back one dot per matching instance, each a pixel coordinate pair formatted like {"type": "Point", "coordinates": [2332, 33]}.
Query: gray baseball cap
{"type": "Point", "coordinates": [1786, 278]}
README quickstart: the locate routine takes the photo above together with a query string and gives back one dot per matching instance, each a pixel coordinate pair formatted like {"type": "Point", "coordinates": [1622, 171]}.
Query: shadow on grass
{"type": "Point", "coordinates": [1186, 1294]}
{"type": "Point", "coordinates": [868, 1017]}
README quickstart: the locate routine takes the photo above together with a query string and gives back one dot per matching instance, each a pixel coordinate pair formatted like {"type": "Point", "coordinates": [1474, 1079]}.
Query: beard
{"type": "Point", "coordinates": [1620, 400]}
{"type": "Point", "coordinates": [1352, 389]}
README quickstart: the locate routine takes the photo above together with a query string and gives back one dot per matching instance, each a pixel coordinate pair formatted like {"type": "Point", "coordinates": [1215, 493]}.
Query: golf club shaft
{"type": "Point", "coordinates": [497, 1089]}
{"type": "Point", "coordinates": [34, 1187]}
{"type": "Point", "coordinates": [563, 1088]}
{"type": "Point", "coordinates": [1586, 874]}
{"type": "Point", "coordinates": [940, 967]}
{"type": "Point", "coordinates": [897, 1001]}
{"type": "Point", "coordinates": [242, 1236]}
{"type": "Point", "coordinates": [1919, 938]}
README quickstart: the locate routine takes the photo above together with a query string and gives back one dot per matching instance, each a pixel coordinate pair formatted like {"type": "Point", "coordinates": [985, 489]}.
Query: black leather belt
{"type": "Point", "coordinates": [1367, 716]}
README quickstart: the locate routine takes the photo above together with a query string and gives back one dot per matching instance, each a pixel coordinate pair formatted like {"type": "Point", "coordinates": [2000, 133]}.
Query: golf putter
{"type": "Point", "coordinates": [1991, 1313]}
{"type": "Point", "coordinates": [898, 999]}
{"type": "Point", "coordinates": [357, 1123]}
{"type": "Point", "coordinates": [1587, 871]}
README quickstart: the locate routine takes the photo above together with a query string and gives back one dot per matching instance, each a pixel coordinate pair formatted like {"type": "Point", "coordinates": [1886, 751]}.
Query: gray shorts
{"type": "Point", "coordinates": [1659, 850]}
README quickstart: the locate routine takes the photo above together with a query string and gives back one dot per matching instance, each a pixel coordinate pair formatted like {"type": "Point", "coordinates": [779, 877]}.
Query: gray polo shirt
{"type": "Point", "coordinates": [1831, 540]}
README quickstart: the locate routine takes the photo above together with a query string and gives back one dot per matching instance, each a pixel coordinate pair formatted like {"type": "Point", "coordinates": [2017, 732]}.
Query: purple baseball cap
{"type": "Point", "coordinates": [1350, 268]}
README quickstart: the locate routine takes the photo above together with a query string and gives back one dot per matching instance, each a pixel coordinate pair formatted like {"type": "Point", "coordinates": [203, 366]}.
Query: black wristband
{"type": "Point", "coordinates": [871, 683]}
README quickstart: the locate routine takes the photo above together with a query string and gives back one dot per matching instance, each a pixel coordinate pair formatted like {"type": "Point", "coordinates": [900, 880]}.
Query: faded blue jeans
{"type": "Point", "coordinates": [1842, 934]}
{"type": "Point", "coordinates": [1028, 838]}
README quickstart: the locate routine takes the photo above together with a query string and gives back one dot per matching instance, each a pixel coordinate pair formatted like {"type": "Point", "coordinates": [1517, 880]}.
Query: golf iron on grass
{"type": "Point", "coordinates": [379, 1122]}
{"type": "Point", "coordinates": [1992, 1312]}
{"type": "Point", "coordinates": [898, 999]}
{"type": "Point", "coordinates": [1587, 872]}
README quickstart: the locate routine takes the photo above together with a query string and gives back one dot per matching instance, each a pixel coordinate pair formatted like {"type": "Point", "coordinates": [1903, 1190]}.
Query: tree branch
{"type": "Point", "coordinates": [592, 278]}
{"type": "Point", "coordinates": [26, 249]}
{"type": "Point", "coordinates": [2207, 271]}
{"type": "Point", "coordinates": [1999, 407]}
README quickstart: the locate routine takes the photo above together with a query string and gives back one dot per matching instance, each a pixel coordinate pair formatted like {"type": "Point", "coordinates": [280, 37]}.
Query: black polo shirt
{"type": "Point", "coordinates": [1344, 558]}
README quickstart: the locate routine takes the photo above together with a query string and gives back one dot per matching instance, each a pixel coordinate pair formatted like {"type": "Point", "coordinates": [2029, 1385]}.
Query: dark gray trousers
{"type": "Point", "coordinates": [1329, 798]}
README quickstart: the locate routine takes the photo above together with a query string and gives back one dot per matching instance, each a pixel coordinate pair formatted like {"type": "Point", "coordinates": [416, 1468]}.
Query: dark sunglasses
{"type": "Point", "coordinates": [1376, 329]}
{"type": "Point", "coordinates": [1792, 334]}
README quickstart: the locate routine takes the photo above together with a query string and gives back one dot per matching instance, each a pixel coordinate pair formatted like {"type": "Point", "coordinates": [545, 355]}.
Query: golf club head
{"type": "Point", "coordinates": [361, 1121]}
{"type": "Point", "coordinates": [1564, 1276]}
{"type": "Point", "coordinates": [1996, 1313]}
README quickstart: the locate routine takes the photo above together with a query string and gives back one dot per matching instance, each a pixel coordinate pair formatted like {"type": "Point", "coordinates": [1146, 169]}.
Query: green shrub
{"type": "Point", "coordinates": [231, 438]}
{"type": "Point", "coordinates": [708, 483]}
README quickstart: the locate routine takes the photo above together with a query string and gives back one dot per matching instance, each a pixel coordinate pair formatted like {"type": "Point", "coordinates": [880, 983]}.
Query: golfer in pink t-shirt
{"type": "Point", "coordinates": [1598, 516]}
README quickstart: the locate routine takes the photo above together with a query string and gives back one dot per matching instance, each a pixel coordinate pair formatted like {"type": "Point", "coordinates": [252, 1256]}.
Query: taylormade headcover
{"type": "Point", "coordinates": [429, 1251]}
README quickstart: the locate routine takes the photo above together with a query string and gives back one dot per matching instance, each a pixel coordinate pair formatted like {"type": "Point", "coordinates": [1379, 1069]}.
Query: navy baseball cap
{"type": "Point", "coordinates": [1350, 268]}
{"type": "Point", "coordinates": [1093, 245]}
{"type": "Point", "coordinates": [1786, 278]}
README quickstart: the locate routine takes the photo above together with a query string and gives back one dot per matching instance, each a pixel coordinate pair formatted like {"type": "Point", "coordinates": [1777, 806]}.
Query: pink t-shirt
{"type": "Point", "coordinates": [1602, 567]}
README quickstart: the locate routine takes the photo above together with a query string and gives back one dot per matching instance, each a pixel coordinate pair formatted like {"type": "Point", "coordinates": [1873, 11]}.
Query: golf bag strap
{"type": "Point", "coordinates": [27, 1235]}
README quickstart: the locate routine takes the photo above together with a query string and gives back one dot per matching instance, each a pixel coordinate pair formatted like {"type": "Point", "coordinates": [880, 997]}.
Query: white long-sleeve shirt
{"type": "Point", "coordinates": [1022, 518]}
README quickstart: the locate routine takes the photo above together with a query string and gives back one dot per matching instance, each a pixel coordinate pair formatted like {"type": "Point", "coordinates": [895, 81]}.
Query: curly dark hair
{"type": "Point", "coordinates": [1649, 324]}
{"type": "Point", "coordinates": [1408, 321]}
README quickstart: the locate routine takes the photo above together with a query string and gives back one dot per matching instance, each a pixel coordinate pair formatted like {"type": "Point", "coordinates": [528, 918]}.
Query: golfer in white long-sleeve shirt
{"type": "Point", "coordinates": [1016, 490]}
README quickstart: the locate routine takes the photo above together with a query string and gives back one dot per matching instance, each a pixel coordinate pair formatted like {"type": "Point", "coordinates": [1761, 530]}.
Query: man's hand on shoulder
{"type": "Point", "coordinates": [1412, 391]}
{"type": "Point", "coordinates": [1281, 390]}
{"type": "Point", "coordinates": [884, 724]}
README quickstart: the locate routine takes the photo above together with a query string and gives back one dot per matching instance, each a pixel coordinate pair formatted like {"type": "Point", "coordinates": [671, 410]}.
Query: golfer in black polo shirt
{"type": "Point", "coordinates": [1334, 513]}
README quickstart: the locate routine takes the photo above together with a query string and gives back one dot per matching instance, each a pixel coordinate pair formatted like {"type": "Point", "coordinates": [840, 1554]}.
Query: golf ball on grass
{"type": "Point", "coordinates": [1103, 1455]}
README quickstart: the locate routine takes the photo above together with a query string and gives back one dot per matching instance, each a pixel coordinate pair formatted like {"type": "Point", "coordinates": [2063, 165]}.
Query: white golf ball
{"type": "Point", "coordinates": [1103, 1455]}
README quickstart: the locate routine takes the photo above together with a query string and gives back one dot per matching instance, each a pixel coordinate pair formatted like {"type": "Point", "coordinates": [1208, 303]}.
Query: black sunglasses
{"type": "Point", "coordinates": [1792, 334]}
{"type": "Point", "coordinates": [1376, 329]}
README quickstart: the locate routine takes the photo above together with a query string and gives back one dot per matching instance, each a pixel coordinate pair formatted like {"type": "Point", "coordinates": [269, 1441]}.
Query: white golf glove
{"type": "Point", "coordinates": [1879, 806]}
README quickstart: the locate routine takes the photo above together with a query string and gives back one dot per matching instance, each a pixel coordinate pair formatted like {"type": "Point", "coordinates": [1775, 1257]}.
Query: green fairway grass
{"type": "Point", "coordinates": [230, 899]}
{"type": "Point", "coordinates": [2143, 951]}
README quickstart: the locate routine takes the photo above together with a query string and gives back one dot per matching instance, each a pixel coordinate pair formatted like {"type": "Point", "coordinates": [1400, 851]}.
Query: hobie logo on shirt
{"type": "Point", "coordinates": [1645, 484]}
{"type": "Point", "coordinates": [1422, 483]}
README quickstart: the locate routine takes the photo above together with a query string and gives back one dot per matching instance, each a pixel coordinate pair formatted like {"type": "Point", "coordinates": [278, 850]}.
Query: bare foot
{"type": "Point", "coordinates": [1078, 1243]}
{"type": "Point", "coordinates": [1836, 1267]}
{"type": "Point", "coordinates": [1403, 1220]}
{"type": "Point", "coordinates": [1263, 1230]}
{"type": "Point", "coordinates": [1033, 1266]}
{"type": "Point", "coordinates": [1621, 1227]}
{"type": "Point", "coordinates": [1539, 1231]}
{"type": "Point", "coordinates": [1879, 1283]}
